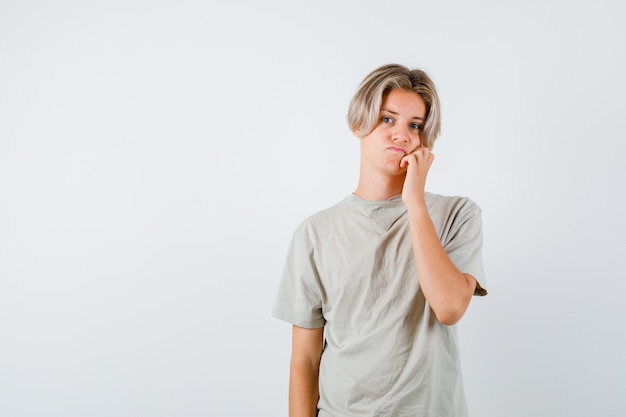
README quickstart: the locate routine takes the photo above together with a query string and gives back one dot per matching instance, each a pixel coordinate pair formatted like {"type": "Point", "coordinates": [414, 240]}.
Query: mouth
{"type": "Point", "coordinates": [397, 150]}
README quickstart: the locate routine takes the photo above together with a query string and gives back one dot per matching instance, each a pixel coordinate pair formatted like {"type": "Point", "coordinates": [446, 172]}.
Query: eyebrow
{"type": "Point", "coordinates": [396, 113]}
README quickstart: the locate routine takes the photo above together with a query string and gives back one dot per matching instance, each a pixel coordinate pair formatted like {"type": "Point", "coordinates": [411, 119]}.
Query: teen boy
{"type": "Point", "coordinates": [375, 284]}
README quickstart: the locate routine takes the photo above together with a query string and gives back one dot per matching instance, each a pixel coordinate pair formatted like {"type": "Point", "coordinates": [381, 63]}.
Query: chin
{"type": "Point", "coordinates": [394, 169]}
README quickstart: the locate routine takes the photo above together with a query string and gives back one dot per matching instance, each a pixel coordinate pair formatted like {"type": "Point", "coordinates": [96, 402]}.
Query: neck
{"type": "Point", "coordinates": [379, 187]}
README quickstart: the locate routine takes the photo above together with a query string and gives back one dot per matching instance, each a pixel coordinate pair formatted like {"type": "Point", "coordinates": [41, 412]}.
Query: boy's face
{"type": "Point", "coordinates": [401, 120]}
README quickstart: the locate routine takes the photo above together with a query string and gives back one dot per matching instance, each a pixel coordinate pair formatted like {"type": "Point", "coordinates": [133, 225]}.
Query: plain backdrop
{"type": "Point", "coordinates": [156, 156]}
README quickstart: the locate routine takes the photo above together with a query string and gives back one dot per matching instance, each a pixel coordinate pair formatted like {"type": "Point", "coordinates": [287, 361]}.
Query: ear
{"type": "Point", "coordinates": [356, 133]}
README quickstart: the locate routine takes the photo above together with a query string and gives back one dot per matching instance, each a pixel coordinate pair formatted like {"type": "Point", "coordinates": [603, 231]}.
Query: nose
{"type": "Point", "coordinates": [401, 134]}
{"type": "Point", "coordinates": [406, 136]}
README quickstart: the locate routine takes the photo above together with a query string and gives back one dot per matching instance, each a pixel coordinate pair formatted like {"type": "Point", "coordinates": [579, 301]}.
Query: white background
{"type": "Point", "coordinates": [155, 157]}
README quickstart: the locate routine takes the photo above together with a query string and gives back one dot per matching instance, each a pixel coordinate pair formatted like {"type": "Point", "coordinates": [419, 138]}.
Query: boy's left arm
{"type": "Point", "coordinates": [447, 289]}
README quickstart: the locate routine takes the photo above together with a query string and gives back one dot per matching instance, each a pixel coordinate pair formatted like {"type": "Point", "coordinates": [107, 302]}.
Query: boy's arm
{"type": "Point", "coordinates": [447, 289]}
{"type": "Point", "coordinates": [306, 352]}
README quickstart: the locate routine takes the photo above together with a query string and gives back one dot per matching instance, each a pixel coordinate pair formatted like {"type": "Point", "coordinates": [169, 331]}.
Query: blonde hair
{"type": "Point", "coordinates": [364, 110]}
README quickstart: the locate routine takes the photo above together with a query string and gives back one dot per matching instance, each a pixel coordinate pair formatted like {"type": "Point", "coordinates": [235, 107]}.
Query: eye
{"type": "Point", "coordinates": [387, 119]}
{"type": "Point", "coordinates": [415, 126]}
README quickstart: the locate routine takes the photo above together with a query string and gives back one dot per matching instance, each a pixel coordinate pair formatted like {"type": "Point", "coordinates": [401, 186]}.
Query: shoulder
{"type": "Point", "coordinates": [331, 214]}
{"type": "Point", "coordinates": [451, 204]}
{"type": "Point", "coordinates": [451, 211]}
{"type": "Point", "coordinates": [323, 220]}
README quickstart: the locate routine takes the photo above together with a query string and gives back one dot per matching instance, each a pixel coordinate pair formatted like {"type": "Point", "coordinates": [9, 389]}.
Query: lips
{"type": "Point", "coordinates": [397, 149]}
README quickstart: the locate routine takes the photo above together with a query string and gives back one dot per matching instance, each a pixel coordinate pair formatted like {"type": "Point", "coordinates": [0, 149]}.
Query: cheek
{"type": "Point", "coordinates": [418, 138]}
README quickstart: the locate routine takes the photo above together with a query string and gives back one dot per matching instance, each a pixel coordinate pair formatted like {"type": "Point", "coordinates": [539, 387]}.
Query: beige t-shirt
{"type": "Point", "coordinates": [351, 270]}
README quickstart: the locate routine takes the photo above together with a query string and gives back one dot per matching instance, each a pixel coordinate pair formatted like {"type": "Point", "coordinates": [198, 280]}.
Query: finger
{"type": "Point", "coordinates": [426, 154]}
{"type": "Point", "coordinates": [421, 151]}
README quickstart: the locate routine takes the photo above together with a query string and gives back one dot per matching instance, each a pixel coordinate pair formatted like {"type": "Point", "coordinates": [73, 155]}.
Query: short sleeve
{"type": "Point", "coordinates": [465, 241]}
{"type": "Point", "coordinates": [299, 298]}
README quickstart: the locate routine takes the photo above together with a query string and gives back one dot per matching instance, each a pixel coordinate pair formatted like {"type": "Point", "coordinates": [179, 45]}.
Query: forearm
{"type": "Point", "coordinates": [303, 388]}
{"type": "Point", "coordinates": [447, 289]}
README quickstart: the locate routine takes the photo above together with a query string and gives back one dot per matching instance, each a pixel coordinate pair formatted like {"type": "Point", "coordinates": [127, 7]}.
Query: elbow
{"type": "Point", "coordinates": [448, 319]}
{"type": "Point", "coordinates": [450, 315]}
{"type": "Point", "coordinates": [452, 308]}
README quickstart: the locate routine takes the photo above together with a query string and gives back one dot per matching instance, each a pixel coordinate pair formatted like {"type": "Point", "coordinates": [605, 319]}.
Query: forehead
{"type": "Point", "coordinates": [404, 102]}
